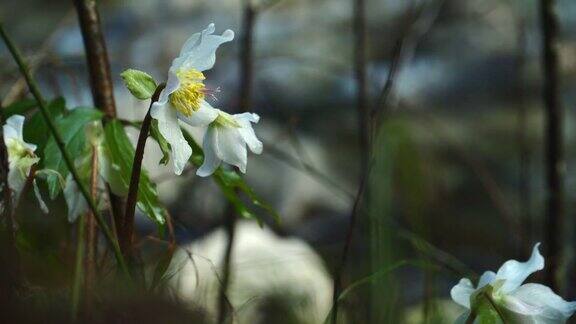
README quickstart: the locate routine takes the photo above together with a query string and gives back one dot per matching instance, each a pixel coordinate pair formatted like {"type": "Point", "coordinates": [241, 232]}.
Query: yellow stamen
{"type": "Point", "coordinates": [225, 120]}
{"type": "Point", "coordinates": [188, 97]}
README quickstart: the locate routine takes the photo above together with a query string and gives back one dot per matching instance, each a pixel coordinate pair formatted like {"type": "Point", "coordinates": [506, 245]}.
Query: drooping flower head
{"type": "Point", "coordinates": [226, 140]}
{"type": "Point", "coordinates": [517, 303]}
{"type": "Point", "coordinates": [185, 92]}
{"type": "Point", "coordinates": [21, 156]}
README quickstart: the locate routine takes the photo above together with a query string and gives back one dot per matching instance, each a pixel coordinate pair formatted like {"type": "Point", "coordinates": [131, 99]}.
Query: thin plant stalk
{"type": "Point", "coordinates": [249, 15]}
{"type": "Point", "coordinates": [100, 77]}
{"type": "Point", "coordinates": [555, 163]}
{"type": "Point", "coordinates": [360, 74]}
{"type": "Point", "coordinates": [126, 236]}
{"type": "Point", "coordinates": [91, 239]}
{"type": "Point", "coordinates": [34, 89]}
{"type": "Point", "coordinates": [79, 267]}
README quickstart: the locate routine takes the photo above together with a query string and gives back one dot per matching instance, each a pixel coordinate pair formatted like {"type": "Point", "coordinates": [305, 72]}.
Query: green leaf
{"type": "Point", "coordinates": [35, 128]}
{"type": "Point", "coordinates": [140, 84]}
{"type": "Point", "coordinates": [164, 146]}
{"type": "Point", "coordinates": [18, 108]}
{"type": "Point", "coordinates": [72, 128]}
{"type": "Point", "coordinates": [121, 155]}
{"type": "Point", "coordinates": [485, 308]}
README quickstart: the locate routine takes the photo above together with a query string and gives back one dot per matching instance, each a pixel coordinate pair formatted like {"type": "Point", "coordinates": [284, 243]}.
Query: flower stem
{"type": "Point", "coordinates": [555, 221]}
{"type": "Point", "coordinates": [34, 89]}
{"type": "Point", "coordinates": [128, 225]}
{"type": "Point", "coordinates": [79, 267]}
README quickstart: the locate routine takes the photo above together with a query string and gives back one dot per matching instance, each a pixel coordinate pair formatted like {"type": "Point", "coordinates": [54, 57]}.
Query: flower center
{"type": "Point", "coordinates": [191, 92]}
{"type": "Point", "coordinates": [17, 150]}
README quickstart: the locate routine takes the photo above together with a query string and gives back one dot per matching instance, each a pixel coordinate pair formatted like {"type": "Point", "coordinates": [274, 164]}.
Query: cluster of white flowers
{"type": "Point", "coordinates": [528, 303]}
{"type": "Point", "coordinates": [225, 136]}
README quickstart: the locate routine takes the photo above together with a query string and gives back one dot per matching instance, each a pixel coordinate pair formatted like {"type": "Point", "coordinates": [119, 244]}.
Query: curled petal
{"type": "Point", "coordinates": [199, 51]}
{"type": "Point", "coordinates": [247, 132]}
{"type": "Point", "coordinates": [540, 301]}
{"type": "Point", "coordinates": [462, 291]}
{"type": "Point", "coordinates": [232, 148]}
{"type": "Point", "coordinates": [211, 159]}
{"type": "Point", "coordinates": [514, 273]}
{"type": "Point", "coordinates": [205, 115]}
{"type": "Point", "coordinates": [13, 130]}
{"type": "Point", "coordinates": [487, 278]}
{"type": "Point", "coordinates": [170, 129]}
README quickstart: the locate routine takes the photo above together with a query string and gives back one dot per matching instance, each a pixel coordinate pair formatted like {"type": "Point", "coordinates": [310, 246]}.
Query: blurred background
{"type": "Point", "coordinates": [456, 181]}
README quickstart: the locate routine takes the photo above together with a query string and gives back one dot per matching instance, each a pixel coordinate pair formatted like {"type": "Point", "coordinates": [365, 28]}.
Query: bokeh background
{"type": "Point", "coordinates": [457, 179]}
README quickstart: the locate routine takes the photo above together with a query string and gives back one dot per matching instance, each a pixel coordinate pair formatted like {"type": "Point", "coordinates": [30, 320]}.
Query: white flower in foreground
{"type": "Point", "coordinates": [528, 303]}
{"type": "Point", "coordinates": [183, 97]}
{"type": "Point", "coordinates": [21, 155]}
{"type": "Point", "coordinates": [226, 140]}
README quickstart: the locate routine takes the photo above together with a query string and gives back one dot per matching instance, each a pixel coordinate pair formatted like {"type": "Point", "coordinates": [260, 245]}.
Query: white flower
{"type": "Point", "coordinates": [183, 97]}
{"type": "Point", "coordinates": [528, 303]}
{"type": "Point", "coordinates": [226, 140]}
{"type": "Point", "coordinates": [21, 155]}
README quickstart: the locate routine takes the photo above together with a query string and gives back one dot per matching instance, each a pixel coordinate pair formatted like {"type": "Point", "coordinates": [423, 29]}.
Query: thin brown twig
{"type": "Point", "coordinates": [127, 228]}
{"type": "Point", "coordinates": [91, 241]}
{"type": "Point", "coordinates": [249, 15]}
{"type": "Point", "coordinates": [555, 163]}
{"type": "Point", "coordinates": [100, 79]}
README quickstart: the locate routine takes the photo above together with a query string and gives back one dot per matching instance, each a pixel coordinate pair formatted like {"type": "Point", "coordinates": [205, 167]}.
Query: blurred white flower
{"type": "Point", "coordinates": [528, 303]}
{"type": "Point", "coordinates": [226, 140]}
{"type": "Point", "coordinates": [21, 156]}
{"type": "Point", "coordinates": [183, 97]}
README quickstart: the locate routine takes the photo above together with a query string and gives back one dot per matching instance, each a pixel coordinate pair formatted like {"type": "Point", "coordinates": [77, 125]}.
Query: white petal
{"type": "Point", "coordinates": [203, 117]}
{"type": "Point", "coordinates": [13, 128]}
{"type": "Point", "coordinates": [487, 278]}
{"type": "Point", "coordinates": [210, 147]}
{"type": "Point", "coordinates": [199, 52]}
{"type": "Point", "coordinates": [170, 129]}
{"type": "Point", "coordinates": [514, 273]}
{"type": "Point", "coordinates": [232, 147]}
{"type": "Point", "coordinates": [16, 180]}
{"type": "Point", "coordinates": [76, 203]}
{"type": "Point", "coordinates": [542, 298]}
{"type": "Point", "coordinates": [462, 291]}
{"type": "Point", "coordinates": [247, 132]}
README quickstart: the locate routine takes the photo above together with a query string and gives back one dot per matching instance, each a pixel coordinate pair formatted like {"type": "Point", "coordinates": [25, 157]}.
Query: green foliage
{"type": "Point", "coordinates": [140, 84]}
{"type": "Point", "coordinates": [121, 156]}
{"type": "Point", "coordinates": [72, 128]}
{"type": "Point", "coordinates": [35, 128]}
{"type": "Point", "coordinates": [18, 108]}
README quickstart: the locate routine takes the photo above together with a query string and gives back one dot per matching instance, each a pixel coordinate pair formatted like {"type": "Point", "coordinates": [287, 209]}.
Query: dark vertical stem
{"type": "Point", "coordinates": [97, 56]}
{"type": "Point", "coordinates": [100, 75]}
{"type": "Point", "coordinates": [554, 144]}
{"type": "Point", "coordinates": [245, 101]}
{"type": "Point", "coordinates": [223, 303]}
{"type": "Point", "coordinates": [10, 273]}
{"type": "Point", "coordinates": [360, 74]}
{"type": "Point", "coordinates": [91, 241]}
{"type": "Point", "coordinates": [522, 140]}
{"type": "Point", "coordinates": [127, 232]}
{"type": "Point", "coordinates": [337, 287]}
